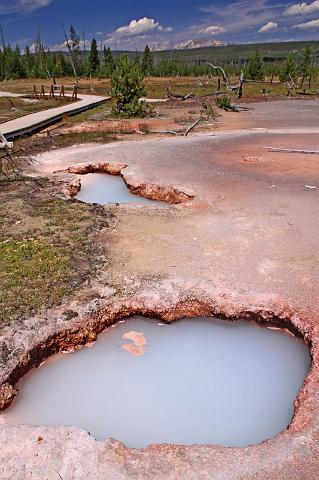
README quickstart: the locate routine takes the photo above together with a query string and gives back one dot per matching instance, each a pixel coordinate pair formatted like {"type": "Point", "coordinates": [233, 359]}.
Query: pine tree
{"type": "Point", "coordinates": [108, 61]}
{"type": "Point", "coordinates": [305, 68]}
{"type": "Point", "coordinates": [288, 70]}
{"type": "Point", "coordinates": [127, 88]}
{"type": "Point", "coordinates": [61, 67]}
{"type": "Point", "coordinates": [18, 68]}
{"type": "Point", "coordinates": [147, 61]}
{"type": "Point", "coordinates": [8, 62]}
{"type": "Point", "coordinates": [28, 61]}
{"type": "Point", "coordinates": [256, 67]}
{"type": "Point", "coordinates": [94, 60]}
{"type": "Point", "coordinates": [11, 63]}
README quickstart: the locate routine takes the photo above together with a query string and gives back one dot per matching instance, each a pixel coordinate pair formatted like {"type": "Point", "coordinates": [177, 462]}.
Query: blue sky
{"type": "Point", "coordinates": [133, 24]}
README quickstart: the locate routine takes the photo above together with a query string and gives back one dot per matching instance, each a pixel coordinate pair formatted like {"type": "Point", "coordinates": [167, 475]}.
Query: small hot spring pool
{"type": "Point", "coordinates": [103, 189]}
{"type": "Point", "coordinates": [200, 381]}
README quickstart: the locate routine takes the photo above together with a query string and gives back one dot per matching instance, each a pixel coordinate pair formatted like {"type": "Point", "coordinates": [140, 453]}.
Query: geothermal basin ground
{"type": "Point", "coordinates": [238, 241]}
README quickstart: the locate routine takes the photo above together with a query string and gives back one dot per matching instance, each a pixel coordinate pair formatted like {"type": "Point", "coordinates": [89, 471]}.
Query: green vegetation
{"type": "Point", "coordinates": [108, 66]}
{"type": "Point", "coordinates": [234, 58]}
{"type": "Point", "coordinates": [94, 60]}
{"type": "Point", "coordinates": [237, 56]}
{"type": "Point", "coordinates": [32, 273]}
{"type": "Point", "coordinates": [147, 61]}
{"type": "Point", "coordinates": [288, 71]}
{"type": "Point", "coordinates": [256, 67]}
{"type": "Point", "coordinates": [45, 249]}
{"type": "Point", "coordinates": [305, 68]}
{"type": "Point", "coordinates": [128, 88]}
{"type": "Point", "coordinates": [224, 102]}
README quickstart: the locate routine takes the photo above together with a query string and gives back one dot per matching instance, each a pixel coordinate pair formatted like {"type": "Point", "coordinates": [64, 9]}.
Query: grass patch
{"type": "Point", "coordinates": [103, 111]}
{"type": "Point", "coordinates": [46, 248]}
{"type": "Point", "coordinates": [74, 138]}
{"type": "Point", "coordinates": [224, 102]}
{"type": "Point", "coordinates": [32, 273]}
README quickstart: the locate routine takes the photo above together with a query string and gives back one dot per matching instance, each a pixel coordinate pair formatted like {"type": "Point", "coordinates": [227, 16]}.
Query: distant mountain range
{"type": "Point", "coordinates": [191, 44]}
{"type": "Point", "coordinates": [188, 45]}
{"type": "Point", "coordinates": [215, 51]}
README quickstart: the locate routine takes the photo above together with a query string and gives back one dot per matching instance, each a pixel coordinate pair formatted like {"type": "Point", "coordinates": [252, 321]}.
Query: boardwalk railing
{"type": "Point", "coordinates": [55, 91]}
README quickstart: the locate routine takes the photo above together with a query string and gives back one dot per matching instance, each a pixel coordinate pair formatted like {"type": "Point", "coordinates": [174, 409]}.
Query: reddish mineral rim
{"type": "Point", "coordinates": [200, 381]}
{"type": "Point", "coordinates": [147, 190]}
{"type": "Point", "coordinates": [204, 460]}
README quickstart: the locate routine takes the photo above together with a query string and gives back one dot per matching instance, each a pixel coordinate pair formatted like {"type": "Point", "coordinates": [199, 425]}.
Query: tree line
{"type": "Point", "coordinates": [288, 71]}
{"type": "Point", "coordinates": [42, 63]}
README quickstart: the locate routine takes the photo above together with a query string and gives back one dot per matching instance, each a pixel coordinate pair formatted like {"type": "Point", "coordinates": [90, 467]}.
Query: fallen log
{"type": "Point", "coordinates": [192, 126]}
{"type": "Point", "coordinates": [307, 93]}
{"type": "Point", "coordinates": [183, 133]}
{"type": "Point", "coordinates": [168, 132]}
{"type": "Point", "coordinates": [176, 96]}
{"type": "Point", "coordinates": [292, 150]}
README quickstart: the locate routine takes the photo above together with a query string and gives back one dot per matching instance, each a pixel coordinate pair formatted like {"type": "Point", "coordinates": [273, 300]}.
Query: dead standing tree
{"type": "Point", "coordinates": [9, 158]}
{"type": "Point", "coordinates": [238, 88]}
{"type": "Point", "coordinates": [7, 163]}
{"type": "Point", "coordinates": [72, 59]}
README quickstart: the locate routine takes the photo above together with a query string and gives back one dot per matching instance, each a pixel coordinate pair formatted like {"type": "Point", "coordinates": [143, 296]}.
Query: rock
{"type": "Point", "coordinates": [7, 394]}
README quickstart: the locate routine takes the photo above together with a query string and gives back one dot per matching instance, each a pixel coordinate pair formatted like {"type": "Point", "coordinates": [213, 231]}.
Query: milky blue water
{"type": "Point", "coordinates": [103, 188]}
{"type": "Point", "coordinates": [200, 381]}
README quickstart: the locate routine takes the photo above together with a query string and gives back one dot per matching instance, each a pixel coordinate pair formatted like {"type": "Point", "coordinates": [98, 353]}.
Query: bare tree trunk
{"type": "Point", "coordinates": [71, 55]}
{"type": "Point", "coordinates": [231, 88]}
{"type": "Point", "coordinates": [292, 150]}
{"type": "Point", "coordinates": [193, 126]}
{"type": "Point", "coordinates": [170, 94]}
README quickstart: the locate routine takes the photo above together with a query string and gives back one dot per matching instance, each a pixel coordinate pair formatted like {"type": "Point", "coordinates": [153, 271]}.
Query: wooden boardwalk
{"type": "Point", "coordinates": [34, 121]}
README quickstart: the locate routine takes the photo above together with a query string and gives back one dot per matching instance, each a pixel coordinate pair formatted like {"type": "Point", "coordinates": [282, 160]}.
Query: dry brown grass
{"type": "Point", "coordinates": [14, 107]}
{"type": "Point", "coordinates": [155, 86]}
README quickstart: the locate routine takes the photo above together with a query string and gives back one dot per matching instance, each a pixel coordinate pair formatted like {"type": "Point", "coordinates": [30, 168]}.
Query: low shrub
{"type": "Point", "coordinates": [224, 102]}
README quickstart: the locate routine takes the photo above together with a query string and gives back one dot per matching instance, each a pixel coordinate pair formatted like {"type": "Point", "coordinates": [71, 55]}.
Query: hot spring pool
{"type": "Point", "coordinates": [199, 381]}
{"type": "Point", "coordinates": [103, 188]}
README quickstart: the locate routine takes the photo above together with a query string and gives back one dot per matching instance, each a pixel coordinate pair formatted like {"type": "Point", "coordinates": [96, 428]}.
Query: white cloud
{"type": "Point", "coordinates": [241, 15]}
{"type": "Point", "coordinates": [267, 27]}
{"type": "Point", "coordinates": [308, 25]}
{"type": "Point", "coordinates": [63, 46]}
{"type": "Point", "coordinates": [164, 29]}
{"type": "Point", "coordinates": [137, 33]}
{"type": "Point", "coordinates": [302, 9]}
{"type": "Point", "coordinates": [141, 27]}
{"type": "Point", "coordinates": [212, 30]}
{"type": "Point", "coordinates": [22, 6]}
